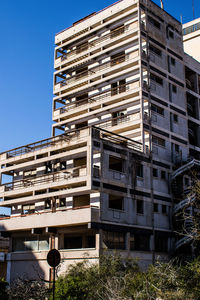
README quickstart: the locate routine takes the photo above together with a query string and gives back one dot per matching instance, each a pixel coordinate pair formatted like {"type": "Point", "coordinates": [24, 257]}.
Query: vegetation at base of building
{"type": "Point", "coordinates": [115, 279]}
{"type": "Point", "coordinates": [3, 292]}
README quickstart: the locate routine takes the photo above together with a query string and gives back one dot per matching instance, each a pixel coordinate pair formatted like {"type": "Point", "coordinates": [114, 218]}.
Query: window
{"type": "Point", "coordinates": [82, 99]}
{"type": "Point", "coordinates": [157, 109]}
{"type": "Point", "coordinates": [174, 89]}
{"type": "Point", "coordinates": [173, 61]}
{"type": "Point", "coordinates": [90, 241]}
{"type": "Point", "coordinates": [63, 165]}
{"type": "Point", "coordinates": [47, 204]}
{"type": "Point", "coordinates": [117, 58]}
{"type": "Point", "coordinates": [175, 118]}
{"type": "Point", "coordinates": [116, 202]}
{"type": "Point", "coordinates": [155, 207]}
{"type": "Point", "coordinates": [155, 172]}
{"type": "Point", "coordinates": [139, 171]}
{"type": "Point", "coordinates": [158, 141]}
{"type": "Point", "coordinates": [28, 209]}
{"type": "Point", "coordinates": [140, 207]}
{"type": "Point", "coordinates": [74, 242]}
{"type": "Point", "coordinates": [161, 244]}
{"type": "Point", "coordinates": [164, 209]}
{"type": "Point", "coordinates": [118, 87]}
{"type": "Point", "coordinates": [117, 31]}
{"type": "Point", "coordinates": [30, 243]}
{"type": "Point", "coordinates": [156, 79]}
{"type": "Point", "coordinates": [186, 180]}
{"type": "Point", "coordinates": [62, 202]}
{"type": "Point", "coordinates": [155, 50]}
{"type": "Point", "coordinates": [132, 242]}
{"type": "Point", "coordinates": [154, 22]}
{"type": "Point", "coordinates": [171, 34]}
{"type": "Point", "coordinates": [163, 175]}
{"type": "Point", "coordinates": [30, 173]}
{"type": "Point", "coordinates": [177, 148]}
{"type": "Point", "coordinates": [82, 200]}
{"type": "Point", "coordinates": [141, 242]}
{"type": "Point", "coordinates": [114, 240]}
{"type": "Point", "coordinates": [82, 125]}
{"type": "Point", "coordinates": [115, 164]}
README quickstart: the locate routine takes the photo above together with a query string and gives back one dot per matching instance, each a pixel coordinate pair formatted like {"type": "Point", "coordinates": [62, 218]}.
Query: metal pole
{"type": "Point", "coordinates": [54, 273]}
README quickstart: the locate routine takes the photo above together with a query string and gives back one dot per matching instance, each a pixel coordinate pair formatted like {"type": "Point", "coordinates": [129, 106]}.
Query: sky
{"type": "Point", "coordinates": [27, 31]}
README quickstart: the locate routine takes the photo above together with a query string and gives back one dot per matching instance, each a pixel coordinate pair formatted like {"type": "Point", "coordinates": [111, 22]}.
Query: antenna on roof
{"type": "Point", "coordinates": [193, 9]}
{"type": "Point", "coordinates": [161, 4]}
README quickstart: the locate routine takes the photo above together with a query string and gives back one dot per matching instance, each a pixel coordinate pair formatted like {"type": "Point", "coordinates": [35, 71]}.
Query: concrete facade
{"type": "Point", "coordinates": [126, 109]}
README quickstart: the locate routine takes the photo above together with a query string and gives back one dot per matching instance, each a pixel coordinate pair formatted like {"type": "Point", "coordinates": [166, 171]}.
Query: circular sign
{"type": "Point", "coordinates": [53, 258]}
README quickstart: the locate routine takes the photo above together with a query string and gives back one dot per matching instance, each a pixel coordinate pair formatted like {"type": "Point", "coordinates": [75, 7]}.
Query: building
{"type": "Point", "coordinates": [125, 118]}
{"type": "Point", "coordinates": [4, 247]}
{"type": "Point", "coordinates": [191, 38]}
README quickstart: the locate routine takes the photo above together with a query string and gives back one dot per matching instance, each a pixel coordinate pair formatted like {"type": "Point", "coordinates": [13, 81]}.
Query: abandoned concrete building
{"type": "Point", "coordinates": [126, 119]}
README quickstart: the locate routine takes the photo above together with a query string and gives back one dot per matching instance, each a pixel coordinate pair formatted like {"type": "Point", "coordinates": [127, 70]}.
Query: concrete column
{"type": "Point", "coordinates": [127, 241]}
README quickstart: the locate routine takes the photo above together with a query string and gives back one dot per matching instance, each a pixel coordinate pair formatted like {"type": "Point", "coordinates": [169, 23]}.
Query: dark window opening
{"type": "Point", "coordinates": [62, 202]}
{"type": "Point", "coordinates": [155, 172]}
{"type": "Point", "coordinates": [177, 148]}
{"type": "Point", "coordinates": [173, 61]}
{"type": "Point", "coordinates": [74, 242]}
{"type": "Point", "coordinates": [139, 171]}
{"type": "Point", "coordinates": [116, 202]}
{"type": "Point", "coordinates": [171, 34]}
{"type": "Point", "coordinates": [156, 79]}
{"type": "Point", "coordinates": [63, 165]}
{"type": "Point", "coordinates": [155, 50]}
{"type": "Point", "coordinates": [163, 175]}
{"type": "Point", "coordinates": [158, 141]}
{"type": "Point", "coordinates": [164, 209]}
{"type": "Point", "coordinates": [114, 240]}
{"type": "Point", "coordinates": [118, 87]}
{"type": "Point", "coordinates": [82, 200]}
{"type": "Point", "coordinates": [117, 31]}
{"type": "Point", "coordinates": [82, 99]}
{"type": "Point", "coordinates": [81, 125]}
{"type": "Point", "coordinates": [155, 207]}
{"type": "Point", "coordinates": [47, 204]}
{"type": "Point", "coordinates": [161, 244]}
{"type": "Point", "coordinates": [174, 89]}
{"type": "Point", "coordinates": [141, 242]}
{"type": "Point", "coordinates": [49, 168]}
{"type": "Point", "coordinates": [90, 241]}
{"type": "Point", "coordinates": [78, 162]}
{"type": "Point", "coordinates": [175, 117]}
{"type": "Point", "coordinates": [154, 22]}
{"type": "Point", "coordinates": [117, 58]}
{"type": "Point", "coordinates": [140, 207]}
{"type": "Point", "coordinates": [115, 164]}
{"type": "Point", "coordinates": [159, 110]}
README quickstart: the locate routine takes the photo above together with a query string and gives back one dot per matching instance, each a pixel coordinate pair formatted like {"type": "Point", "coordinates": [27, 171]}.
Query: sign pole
{"type": "Point", "coordinates": [54, 280]}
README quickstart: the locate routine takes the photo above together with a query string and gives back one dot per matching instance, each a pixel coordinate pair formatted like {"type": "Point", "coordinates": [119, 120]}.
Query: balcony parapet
{"type": "Point", "coordinates": [120, 91]}
{"type": "Point", "coordinates": [91, 45]}
{"type": "Point", "coordinates": [64, 217]}
{"type": "Point", "coordinates": [45, 179]}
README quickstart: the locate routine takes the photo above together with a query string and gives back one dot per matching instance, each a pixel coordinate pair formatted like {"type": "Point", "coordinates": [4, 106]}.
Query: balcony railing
{"type": "Point", "coordinates": [98, 97]}
{"type": "Point", "coordinates": [96, 42]}
{"type": "Point", "coordinates": [45, 179]}
{"type": "Point", "coordinates": [93, 71]}
{"type": "Point", "coordinates": [120, 120]}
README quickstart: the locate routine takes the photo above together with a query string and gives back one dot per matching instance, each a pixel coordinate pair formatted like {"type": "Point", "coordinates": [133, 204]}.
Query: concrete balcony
{"type": "Point", "coordinates": [52, 180]}
{"type": "Point", "coordinates": [95, 46]}
{"type": "Point", "coordinates": [67, 217]}
{"type": "Point", "coordinates": [123, 92]}
{"type": "Point", "coordinates": [40, 149]}
{"type": "Point", "coordinates": [99, 72]}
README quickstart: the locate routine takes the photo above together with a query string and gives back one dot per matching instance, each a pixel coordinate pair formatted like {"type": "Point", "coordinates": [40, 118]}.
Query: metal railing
{"type": "Point", "coordinates": [43, 179]}
{"type": "Point", "coordinates": [98, 97]}
{"type": "Point", "coordinates": [93, 71]}
{"type": "Point", "coordinates": [96, 42]}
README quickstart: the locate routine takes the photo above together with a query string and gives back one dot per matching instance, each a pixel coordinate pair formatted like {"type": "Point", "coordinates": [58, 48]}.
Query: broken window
{"type": "Point", "coordinates": [82, 200]}
{"type": "Point", "coordinates": [62, 202]}
{"type": "Point", "coordinates": [140, 207]}
{"type": "Point", "coordinates": [116, 164]}
{"type": "Point", "coordinates": [116, 202]}
{"type": "Point", "coordinates": [114, 240]}
{"type": "Point", "coordinates": [117, 58]}
{"type": "Point", "coordinates": [73, 242]}
{"type": "Point", "coordinates": [28, 209]}
{"type": "Point", "coordinates": [139, 171]}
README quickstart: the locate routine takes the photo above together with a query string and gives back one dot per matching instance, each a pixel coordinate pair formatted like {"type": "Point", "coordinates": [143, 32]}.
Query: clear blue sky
{"type": "Point", "coordinates": [27, 30]}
